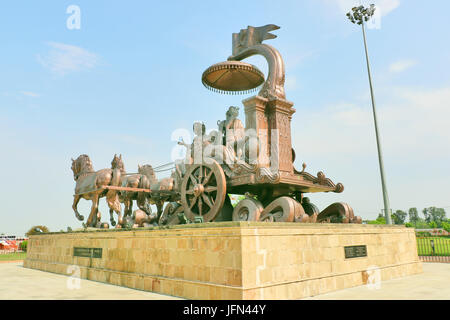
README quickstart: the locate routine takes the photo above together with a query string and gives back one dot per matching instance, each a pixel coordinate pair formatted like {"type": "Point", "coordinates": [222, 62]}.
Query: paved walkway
{"type": "Point", "coordinates": [17, 282]}
{"type": "Point", "coordinates": [432, 284]}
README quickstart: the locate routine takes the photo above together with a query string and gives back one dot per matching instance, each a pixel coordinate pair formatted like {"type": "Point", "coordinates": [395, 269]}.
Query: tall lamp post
{"type": "Point", "coordinates": [359, 15]}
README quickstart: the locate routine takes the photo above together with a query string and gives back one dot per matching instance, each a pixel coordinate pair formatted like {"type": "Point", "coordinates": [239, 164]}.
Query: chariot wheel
{"type": "Point", "coordinates": [203, 191]}
{"type": "Point", "coordinates": [174, 219]}
{"type": "Point", "coordinates": [169, 209]}
{"type": "Point", "coordinates": [247, 210]}
{"type": "Point", "coordinates": [283, 209]}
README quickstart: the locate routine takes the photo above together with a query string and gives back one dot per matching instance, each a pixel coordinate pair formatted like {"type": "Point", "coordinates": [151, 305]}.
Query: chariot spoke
{"type": "Point", "coordinates": [210, 189]}
{"type": "Point", "coordinates": [206, 180]}
{"type": "Point", "coordinates": [194, 200]}
{"type": "Point", "coordinates": [200, 175]}
{"type": "Point", "coordinates": [194, 181]}
{"type": "Point", "coordinates": [200, 205]}
{"type": "Point", "coordinates": [191, 191]}
{"type": "Point", "coordinates": [207, 200]}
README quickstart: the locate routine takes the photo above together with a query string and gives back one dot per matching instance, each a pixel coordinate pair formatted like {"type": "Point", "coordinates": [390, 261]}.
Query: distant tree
{"type": "Point", "coordinates": [69, 229]}
{"type": "Point", "coordinates": [433, 224]}
{"type": "Point", "coordinates": [413, 215]}
{"type": "Point", "coordinates": [399, 217]}
{"type": "Point", "coordinates": [434, 214]}
{"type": "Point", "coordinates": [446, 226]}
{"type": "Point", "coordinates": [427, 215]}
{"type": "Point", "coordinates": [438, 215]}
{"type": "Point", "coordinates": [380, 220]}
{"type": "Point", "coordinates": [421, 224]}
{"type": "Point", "coordinates": [35, 230]}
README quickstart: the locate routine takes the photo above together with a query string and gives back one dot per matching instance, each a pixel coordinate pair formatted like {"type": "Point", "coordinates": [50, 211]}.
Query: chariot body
{"type": "Point", "coordinates": [253, 160]}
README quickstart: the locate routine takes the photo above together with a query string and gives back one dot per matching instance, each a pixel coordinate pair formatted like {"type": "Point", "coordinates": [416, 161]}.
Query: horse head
{"type": "Point", "coordinates": [117, 163]}
{"type": "Point", "coordinates": [147, 170]}
{"type": "Point", "coordinates": [81, 165]}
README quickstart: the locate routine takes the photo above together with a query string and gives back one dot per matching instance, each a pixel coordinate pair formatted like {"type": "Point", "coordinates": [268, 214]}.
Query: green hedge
{"type": "Point", "coordinates": [24, 245]}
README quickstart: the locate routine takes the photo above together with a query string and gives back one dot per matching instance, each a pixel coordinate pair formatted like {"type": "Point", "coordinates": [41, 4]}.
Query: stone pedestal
{"type": "Point", "coordinates": [232, 260]}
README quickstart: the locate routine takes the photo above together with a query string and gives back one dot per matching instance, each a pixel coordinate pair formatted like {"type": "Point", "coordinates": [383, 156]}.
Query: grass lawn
{"type": "Point", "coordinates": [13, 256]}
{"type": "Point", "coordinates": [441, 246]}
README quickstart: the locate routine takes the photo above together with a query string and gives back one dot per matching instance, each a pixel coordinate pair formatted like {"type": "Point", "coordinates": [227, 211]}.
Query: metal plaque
{"type": "Point", "coordinates": [87, 252]}
{"type": "Point", "coordinates": [355, 251]}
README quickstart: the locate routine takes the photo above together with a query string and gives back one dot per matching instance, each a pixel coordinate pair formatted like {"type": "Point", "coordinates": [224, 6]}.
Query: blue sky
{"type": "Point", "coordinates": [130, 76]}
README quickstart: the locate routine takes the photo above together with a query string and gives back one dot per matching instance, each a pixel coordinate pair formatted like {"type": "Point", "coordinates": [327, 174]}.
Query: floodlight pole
{"type": "Point", "coordinates": [361, 17]}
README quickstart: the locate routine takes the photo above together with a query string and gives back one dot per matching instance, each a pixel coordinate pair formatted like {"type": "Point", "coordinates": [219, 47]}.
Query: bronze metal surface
{"type": "Point", "coordinates": [203, 191]}
{"type": "Point", "coordinates": [89, 186]}
{"type": "Point", "coordinates": [232, 77]}
{"type": "Point", "coordinates": [256, 160]}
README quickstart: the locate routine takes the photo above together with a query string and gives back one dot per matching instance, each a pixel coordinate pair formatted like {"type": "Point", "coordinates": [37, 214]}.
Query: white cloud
{"type": "Point", "coordinates": [402, 65]}
{"type": "Point", "coordinates": [64, 58]}
{"type": "Point", "coordinates": [290, 83]}
{"type": "Point", "coordinates": [30, 94]}
{"type": "Point", "coordinates": [384, 6]}
{"type": "Point", "coordinates": [387, 6]}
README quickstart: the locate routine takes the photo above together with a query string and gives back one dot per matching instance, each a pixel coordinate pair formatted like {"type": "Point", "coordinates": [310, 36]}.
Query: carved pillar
{"type": "Point", "coordinates": [279, 112]}
{"type": "Point", "coordinates": [256, 118]}
{"type": "Point", "coordinates": [272, 121]}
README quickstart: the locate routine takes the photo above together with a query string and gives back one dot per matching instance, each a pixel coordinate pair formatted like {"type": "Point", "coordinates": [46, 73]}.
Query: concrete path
{"type": "Point", "coordinates": [432, 284]}
{"type": "Point", "coordinates": [19, 283]}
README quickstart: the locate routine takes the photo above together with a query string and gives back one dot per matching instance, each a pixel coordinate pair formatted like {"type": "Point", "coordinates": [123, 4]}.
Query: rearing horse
{"type": "Point", "coordinates": [89, 186]}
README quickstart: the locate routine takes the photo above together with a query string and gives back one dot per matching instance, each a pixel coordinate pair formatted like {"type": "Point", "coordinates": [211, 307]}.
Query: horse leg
{"type": "Point", "coordinates": [130, 208]}
{"type": "Point", "coordinates": [112, 199]}
{"type": "Point", "coordinates": [92, 220]}
{"type": "Point", "coordinates": [119, 213]}
{"type": "Point", "coordinates": [111, 217]}
{"type": "Point", "coordinates": [111, 204]}
{"type": "Point", "coordinates": [159, 206]}
{"type": "Point", "coordinates": [143, 204]}
{"type": "Point", "coordinates": [76, 199]}
{"type": "Point", "coordinates": [98, 223]}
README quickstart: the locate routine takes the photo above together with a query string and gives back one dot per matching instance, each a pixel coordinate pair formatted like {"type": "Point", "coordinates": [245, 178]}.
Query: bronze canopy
{"type": "Point", "coordinates": [232, 77]}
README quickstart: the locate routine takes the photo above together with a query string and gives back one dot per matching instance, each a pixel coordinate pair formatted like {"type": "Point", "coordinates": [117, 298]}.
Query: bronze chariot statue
{"type": "Point", "coordinates": [254, 159]}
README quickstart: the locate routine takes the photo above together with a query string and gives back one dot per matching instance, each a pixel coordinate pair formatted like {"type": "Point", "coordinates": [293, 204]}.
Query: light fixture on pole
{"type": "Point", "coordinates": [359, 15]}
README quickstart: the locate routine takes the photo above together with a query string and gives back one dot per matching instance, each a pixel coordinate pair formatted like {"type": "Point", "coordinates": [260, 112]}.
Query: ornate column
{"type": "Point", "coordinates": [271, 119]}
{"type": "Point", "coordinates": [256, 119]}
{"type": "Point", "coordinates": [280, 113]}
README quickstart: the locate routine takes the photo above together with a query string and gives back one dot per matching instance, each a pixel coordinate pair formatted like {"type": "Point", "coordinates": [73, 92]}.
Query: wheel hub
{"type": "Point", "coordinates": [198, 189]}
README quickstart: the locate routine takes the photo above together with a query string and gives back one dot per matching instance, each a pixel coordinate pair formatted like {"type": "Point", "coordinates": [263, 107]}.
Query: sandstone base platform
{"type": "Point", "coordinates": [232, 260]}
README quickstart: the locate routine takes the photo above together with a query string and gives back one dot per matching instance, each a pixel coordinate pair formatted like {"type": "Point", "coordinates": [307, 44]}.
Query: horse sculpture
{"type": "Point", "coordinates": [144, 179]}
{"type": "Point", "coordinates": [90, 186]}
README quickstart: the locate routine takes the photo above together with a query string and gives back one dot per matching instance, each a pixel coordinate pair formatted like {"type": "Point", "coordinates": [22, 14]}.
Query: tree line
{"type": "Point", "coordinates": [433, 217]}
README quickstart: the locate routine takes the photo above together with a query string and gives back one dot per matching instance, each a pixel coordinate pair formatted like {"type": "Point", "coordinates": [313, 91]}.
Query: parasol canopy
{"type": "Point", "coordinates": [232, 77]}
